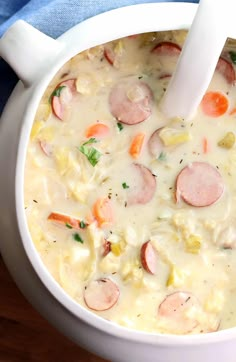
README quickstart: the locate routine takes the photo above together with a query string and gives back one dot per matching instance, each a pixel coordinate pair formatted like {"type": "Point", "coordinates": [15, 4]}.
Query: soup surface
{"type": "Point", "coordinates": [133, 214]}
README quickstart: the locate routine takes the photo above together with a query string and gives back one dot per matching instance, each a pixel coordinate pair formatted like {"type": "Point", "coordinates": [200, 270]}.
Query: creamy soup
{"type": "Point", "coordinates": [133, 214]}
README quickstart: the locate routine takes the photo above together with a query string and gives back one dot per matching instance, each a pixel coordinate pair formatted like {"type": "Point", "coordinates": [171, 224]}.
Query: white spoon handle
{"type": "Point", "coordinates": [198, 58]}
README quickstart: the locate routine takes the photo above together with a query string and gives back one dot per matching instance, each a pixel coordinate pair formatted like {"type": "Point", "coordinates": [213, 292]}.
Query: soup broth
{"type": "Point", "coordinates": [132, 213]}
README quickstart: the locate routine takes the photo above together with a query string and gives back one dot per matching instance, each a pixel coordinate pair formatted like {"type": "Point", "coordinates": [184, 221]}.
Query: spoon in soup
{"type": "Point", "coordinates": [199, 58]}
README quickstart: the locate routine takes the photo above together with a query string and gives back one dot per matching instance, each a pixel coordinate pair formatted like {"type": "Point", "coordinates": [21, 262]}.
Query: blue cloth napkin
{"type": "Point", "coordinates": [53, 17]}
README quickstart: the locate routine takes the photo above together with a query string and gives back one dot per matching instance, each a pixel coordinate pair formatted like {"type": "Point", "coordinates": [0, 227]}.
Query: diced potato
{"type": "Point", "coordinates": [95, 52]}
{"type": "Point", "coordinates": [96, 235]}
{"type": "Point", "coordinates": [131, 236]}
{"type": "Point", "coordinates": [65, 160]}
{"type": "Point", "coordinates": [114, 238]}
{"type": "Point", "coordinates": [78, 253]}
{"type": "Point", "coordinates": [62, 156]}
{"type": "Point", "coordinates": [118, 248]}
{"type": "Point", "coordinates": [37, 126]}
{"type": "Point", "coordinates": [193, 244]}
{"type": "Point", "coordinates": [86, 84]}
{"type": "Point", "coordinates": [172, 137]}
{"type": "Point", "coordinates": [184, 223]}
{"type": "Point", "coordinates": [215, 301]}
{"type": "Point", "coordinates": [79, 190]}
{"type": "Point", "coordinates": [176, 277]}
{"type": "Point", "coordinates": [227, 141]}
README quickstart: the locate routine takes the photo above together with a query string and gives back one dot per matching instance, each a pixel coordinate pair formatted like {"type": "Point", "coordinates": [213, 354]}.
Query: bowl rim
{"type": "Point", "coordinates": [182, 18]}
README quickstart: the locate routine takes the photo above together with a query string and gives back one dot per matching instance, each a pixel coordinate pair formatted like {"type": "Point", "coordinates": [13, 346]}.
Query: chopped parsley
{"type": "Point", "coordinates": [120, 126]}
{"type": "Point", "coordinates": [162, 156]}
{"type": "Point", "coordinates": [91, 153]}
{"type": "Point", "coordinates": [78, 238]}
{"type": "Point", "coordinates": [125, 186]}
{"type": "Point", "coordinates": [82, 225]}
{"type": "Point", "coordinates": [68, 225]}
{"type": "Point", "coordinates": [56, 92]}
{"type": "Point", "coordinates": [233, 56]}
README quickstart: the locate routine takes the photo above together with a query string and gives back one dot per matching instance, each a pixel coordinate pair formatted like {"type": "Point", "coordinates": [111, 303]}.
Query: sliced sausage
{"type": "Point", "coordinates": [148, 257]}
{"type": "Point", "coordinates": [144, 187]}
{"type": "Point", "coordinates": [46, 148]}
{"type": "Point", "coordinates": [109, 54]}
{"type": "Point", "coordinates": [165, 76]}
{"type": "Point", "coordinates": [106, 247]}
{"type": "Point", "coordinates": [131, 101]}
{"type": "Point", "coordinates": [199, 184]}
{"type": "Point", "coordinates": [174, 310]}
{"type": "Point", "coordinates": [167, 48]}
{"type": "Point", "coordinates": [62, 96]}
{"type": "Point", "coordinates": [155, 144]}
{"type": "Point", "coordinates": [101, 294]}
{"type": "Point", "coordinates": [225, 68]}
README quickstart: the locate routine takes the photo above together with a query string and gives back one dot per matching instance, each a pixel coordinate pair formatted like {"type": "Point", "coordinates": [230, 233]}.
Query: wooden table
{"type": "Point", "coordinates": [26, 336]}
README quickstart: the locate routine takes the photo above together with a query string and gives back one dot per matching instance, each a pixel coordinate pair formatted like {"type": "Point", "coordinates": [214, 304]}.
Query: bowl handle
{"type": "Point", "coordinates": [28, 51]}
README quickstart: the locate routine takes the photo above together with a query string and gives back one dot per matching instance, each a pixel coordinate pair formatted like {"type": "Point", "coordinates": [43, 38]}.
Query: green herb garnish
{"type": "Point", "coordinates": [162, 156]}
{"type": "Point", "coordinates": [56, 92]}
{"type": "Point", "coordinates": [91, 153]}
{"type": "Point", "coordinates": [78, 238]}
{"type": "Point", "coordinates": [233, 56]}
{"type": "Point", "coordinates": [68, 225]}
{"type": "Point", "coordinates": [120, 126]}
{"type": "Point", "coordinates": [91, 140]}
{"type": "Point", "coordinates": [82, 225]}
{"type": "Point", "coordinates": [125, 186]}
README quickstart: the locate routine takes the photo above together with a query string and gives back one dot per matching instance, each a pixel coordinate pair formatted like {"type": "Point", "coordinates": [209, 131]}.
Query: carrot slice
{"type": "Point", "coordinates": [205, 145]}
{"type": "Point", "coordinates": [214, 104]}
{"type": "Point", "coordinates": [136, 145]}
{"type": "Point", "coordinates": [64, 220]}
{"type": "Point", "coordinates": [102, 211]}
{"type": "Point", "coordinates": [97, 130]}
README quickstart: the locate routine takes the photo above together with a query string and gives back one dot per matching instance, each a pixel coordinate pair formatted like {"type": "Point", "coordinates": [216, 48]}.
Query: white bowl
{"type": "Point", "coordinates": [36, 58]}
